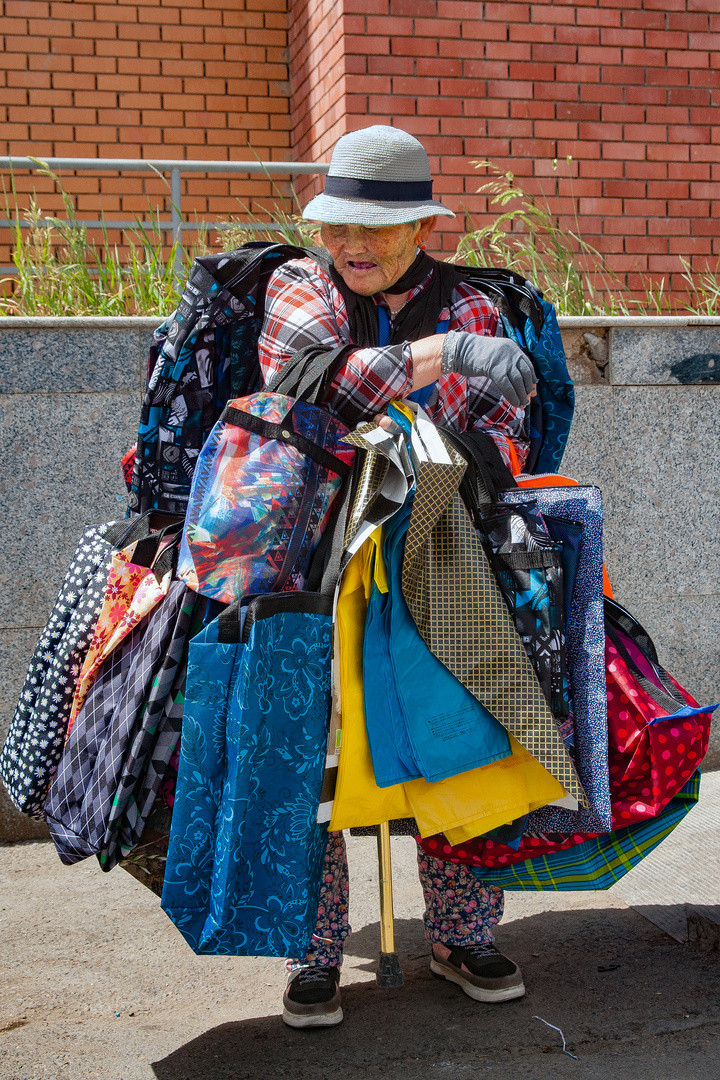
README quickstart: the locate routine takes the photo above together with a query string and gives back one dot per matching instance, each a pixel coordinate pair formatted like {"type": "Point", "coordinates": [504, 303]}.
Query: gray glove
{"type": "Point", "coordinates": [498, 359]}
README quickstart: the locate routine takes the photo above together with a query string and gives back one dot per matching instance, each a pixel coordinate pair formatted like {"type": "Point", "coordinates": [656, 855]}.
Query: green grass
{"type": "Point", "coordinates": [524, 235]}
{"type": "Point", "coordinates": [61, 271]}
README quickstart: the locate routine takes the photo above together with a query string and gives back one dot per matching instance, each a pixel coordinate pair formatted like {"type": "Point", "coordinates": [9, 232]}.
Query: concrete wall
{"type": "Point", "coordinates": [70, 391]}
{"type": "Point", "coordinates": [646, 431]}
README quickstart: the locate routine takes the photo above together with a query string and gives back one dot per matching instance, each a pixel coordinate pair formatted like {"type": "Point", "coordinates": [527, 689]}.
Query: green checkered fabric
{"type": "Point", "coordinates": [595, 864]}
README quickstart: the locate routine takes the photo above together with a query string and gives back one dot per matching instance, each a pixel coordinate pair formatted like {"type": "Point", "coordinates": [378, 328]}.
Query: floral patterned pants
{"type": "Point", "coordinates": [459, 908]}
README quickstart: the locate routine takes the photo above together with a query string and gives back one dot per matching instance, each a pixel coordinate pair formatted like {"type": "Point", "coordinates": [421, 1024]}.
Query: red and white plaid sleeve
{"type": "Point", "coordinates": [303, 307]}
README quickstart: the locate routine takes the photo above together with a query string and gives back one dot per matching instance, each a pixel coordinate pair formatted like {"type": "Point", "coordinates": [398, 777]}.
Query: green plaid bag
{"type": "Point", "coordinates": [598, 863]}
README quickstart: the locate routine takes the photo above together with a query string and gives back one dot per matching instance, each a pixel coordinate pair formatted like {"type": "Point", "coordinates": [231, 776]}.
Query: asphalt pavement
{"type": "Point", "coordinates": [96, 983]}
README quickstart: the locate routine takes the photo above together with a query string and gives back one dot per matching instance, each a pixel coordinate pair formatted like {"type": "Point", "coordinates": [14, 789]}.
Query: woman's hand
{"type": "Point", "coordinates": [426, 355]}
{"type": "Point", "coordinates": [472, 355]}
{"type": "Point", "coordinates": [498, 359]}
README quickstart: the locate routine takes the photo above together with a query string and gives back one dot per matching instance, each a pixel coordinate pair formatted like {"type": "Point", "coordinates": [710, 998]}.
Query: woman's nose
{"type": "Point", "coordinates": [354, 242]}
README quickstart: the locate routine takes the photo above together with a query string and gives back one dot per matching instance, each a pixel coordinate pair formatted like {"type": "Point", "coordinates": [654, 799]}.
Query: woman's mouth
{"type": "Point", "coordinates": [356, 265]}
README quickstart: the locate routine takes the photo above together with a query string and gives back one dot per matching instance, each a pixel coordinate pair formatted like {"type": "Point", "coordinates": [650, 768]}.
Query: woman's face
{"type": "Point", "coordinates": [372, 258]}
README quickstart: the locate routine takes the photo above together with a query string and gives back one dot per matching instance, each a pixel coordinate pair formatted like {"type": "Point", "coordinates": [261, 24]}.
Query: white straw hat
{"type": "Point", "coordinates": [378, 176]}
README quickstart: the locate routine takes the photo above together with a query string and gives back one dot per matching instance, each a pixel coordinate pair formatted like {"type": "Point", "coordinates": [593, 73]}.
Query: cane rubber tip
{"type": "Point", "coordinates": [389, 974]}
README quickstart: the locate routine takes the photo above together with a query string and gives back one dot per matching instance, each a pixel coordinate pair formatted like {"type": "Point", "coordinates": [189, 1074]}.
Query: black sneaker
{"type": "Point", "coordinates": [480, 970]}
{"type": "Point", "coordinates": [312, 998]}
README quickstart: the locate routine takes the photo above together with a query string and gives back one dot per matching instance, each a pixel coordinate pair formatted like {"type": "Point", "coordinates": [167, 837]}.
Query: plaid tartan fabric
{"type": "Point", "coordinates": [81, 796]}
{"type": "Point", "coordinates": [597, 863]}
{"type": "Point", "coordinates": [153, 742]}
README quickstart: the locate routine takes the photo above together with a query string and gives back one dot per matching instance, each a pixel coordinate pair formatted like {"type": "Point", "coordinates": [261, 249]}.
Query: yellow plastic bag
{"type": "Point", "coordinates": [462, 806]}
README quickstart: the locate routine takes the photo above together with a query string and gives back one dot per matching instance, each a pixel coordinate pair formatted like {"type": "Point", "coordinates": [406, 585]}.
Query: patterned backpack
{"type": "Point", "coordinates": [203, 355]}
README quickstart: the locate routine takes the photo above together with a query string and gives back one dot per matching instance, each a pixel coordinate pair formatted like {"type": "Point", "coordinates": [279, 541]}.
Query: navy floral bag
{"type": "Point", "coordinates": [246, 851]}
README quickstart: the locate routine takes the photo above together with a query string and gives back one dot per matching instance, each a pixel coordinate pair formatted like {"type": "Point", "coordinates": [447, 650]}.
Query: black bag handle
{"type": "Point", "coordinates": [139, 527]}
{"type": "Point", "coordinates": [165, 562]}
{"type": "Point", "coordinates": [541, 559]}
{"type": "Point", "coordinates": [486, 475]}
{"type": "Point", "coordinates": [124, 532]}
{"type": "Point", "coordinates": [308, 374]}
{"type": "Point", "coordinates": [621, 617]}
{"type": "Point", "coordinates": [146, 550]}
{"type": "Point", "coordinates": [332, 563]}
{"type": "Point", "coordinates": [229, 624]}
{"type": "Point", "coordinates": [285, 433]}
{"type": "Point", "coordinates": [263, 607]}
{"type": "Point", "coordinates": [617, 618]}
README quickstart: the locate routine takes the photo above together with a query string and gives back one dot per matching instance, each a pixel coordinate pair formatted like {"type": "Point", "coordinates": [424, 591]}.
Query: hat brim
{"type": "Point", "coordinates": [331, 210]}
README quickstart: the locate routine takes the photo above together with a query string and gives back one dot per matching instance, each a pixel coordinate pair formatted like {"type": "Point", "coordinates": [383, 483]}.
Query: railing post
{"type": "Point", "coordinates": [176, 219]}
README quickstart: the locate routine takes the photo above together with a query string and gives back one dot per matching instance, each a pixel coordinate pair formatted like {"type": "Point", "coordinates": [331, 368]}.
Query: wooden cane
{"type": "Point", "coordinates": [388, 973]}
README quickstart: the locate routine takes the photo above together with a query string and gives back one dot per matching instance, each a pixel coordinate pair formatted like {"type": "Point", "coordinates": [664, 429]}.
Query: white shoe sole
{"type": "Point", "coordinates": [294, 1020]}
{"type": "Point", "coordinates": [507, 993]}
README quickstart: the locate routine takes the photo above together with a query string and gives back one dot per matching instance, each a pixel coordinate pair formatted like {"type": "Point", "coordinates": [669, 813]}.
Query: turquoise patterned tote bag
{"type": "Point", "coordinates": [246, 850]}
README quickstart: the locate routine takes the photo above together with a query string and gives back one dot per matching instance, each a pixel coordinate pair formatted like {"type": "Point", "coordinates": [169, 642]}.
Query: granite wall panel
{"type": "Point", "coordinates": [59, 471]}
{"type": "Point", "coordinates": [60, 360]}
{"type": "Point", "coordinates": [687, 356]}
{"type": "Point", "coordinates": [68, 412]}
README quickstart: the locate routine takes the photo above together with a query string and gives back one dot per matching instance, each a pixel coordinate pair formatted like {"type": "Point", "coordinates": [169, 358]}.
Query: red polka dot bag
{"type": "Point", "coordinates": [658, 732]}
{"type": "Point", "coordinates": [657, 737]}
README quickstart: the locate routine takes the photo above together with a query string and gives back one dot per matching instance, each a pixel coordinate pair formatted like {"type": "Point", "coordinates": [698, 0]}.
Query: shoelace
{"type": "Point", "coordinates": [310, 976]}
{"type": "Point", "coordinates": [480, 949]}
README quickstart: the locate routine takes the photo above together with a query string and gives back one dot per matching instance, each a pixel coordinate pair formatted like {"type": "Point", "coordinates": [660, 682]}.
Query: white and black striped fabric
{"type": "Point", "coordinates": [79, 804]}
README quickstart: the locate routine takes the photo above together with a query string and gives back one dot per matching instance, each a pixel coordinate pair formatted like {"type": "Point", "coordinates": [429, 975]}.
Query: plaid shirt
{"type": "Point", "coordinates": [303, 307]}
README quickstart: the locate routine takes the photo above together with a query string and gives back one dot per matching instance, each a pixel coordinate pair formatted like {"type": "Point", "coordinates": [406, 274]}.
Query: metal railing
{"type": "Point", "coordinates": [176, 169]}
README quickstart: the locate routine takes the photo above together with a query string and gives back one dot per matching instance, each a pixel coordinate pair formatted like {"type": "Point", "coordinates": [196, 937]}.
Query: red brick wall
{"type": "Point", "coordinates": [629, 88]}
{"type": "Point", "coordinates": [317, 43]}
{"type": "Point", "coordinates": [144, 78]}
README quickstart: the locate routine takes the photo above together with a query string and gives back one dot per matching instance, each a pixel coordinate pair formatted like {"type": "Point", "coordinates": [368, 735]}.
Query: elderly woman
{"type": "Point", "coordinates": [423, 333]}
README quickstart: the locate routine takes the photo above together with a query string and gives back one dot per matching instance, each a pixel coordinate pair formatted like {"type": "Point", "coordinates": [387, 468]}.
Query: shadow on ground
{"type": "Point", "coordinates": [633, 1004]}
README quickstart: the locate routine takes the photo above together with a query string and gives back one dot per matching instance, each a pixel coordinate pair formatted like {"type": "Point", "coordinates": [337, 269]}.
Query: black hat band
{"type": "Point", "coordinates": [347, 187]}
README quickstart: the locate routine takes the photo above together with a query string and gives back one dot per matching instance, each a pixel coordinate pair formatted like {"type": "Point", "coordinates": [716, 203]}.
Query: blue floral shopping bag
{"type": "Point", "coordinates": [245, 853]}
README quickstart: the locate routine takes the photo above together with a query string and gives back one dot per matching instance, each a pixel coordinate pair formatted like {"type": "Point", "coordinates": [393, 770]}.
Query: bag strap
{"type": "Point", "coordinates": [139, 527]}
{"type": "Point", "coordinates": [669, 697]}
{"type": "Point", "coordinates": [308, 374]}
{"type": "Point", "coordinates": [621, 617]}
{"type": "Point", "coordinates": [486, 475]}
{"type": "Point", "coordinates": [284, 433]}
{"type": "Point", "coordinates": [264, 607]}
{"type": "Point", "coordinates": [146, 550]}
{"type": "Point", "coordinates": [542, 559]}
{"type": "Point", "coordinates": [269, 604]}
{"type": "Point", "coordinates": [331, 574]}
{"type": "Point", "coordinates": [165, 562]}
{"type": "Point", "coordinates": [326, 564]}
{"type": "Point", "coordinates": [229, 624]}
{"type": "Point", "coordinates": [126, 531]}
